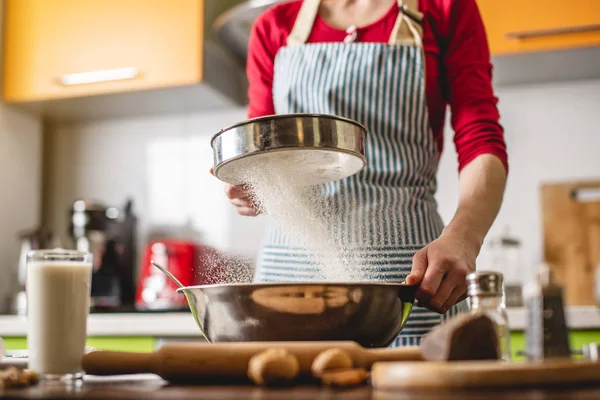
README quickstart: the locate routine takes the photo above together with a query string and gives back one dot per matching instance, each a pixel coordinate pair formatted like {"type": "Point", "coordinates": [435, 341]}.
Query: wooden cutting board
{"type": "Point", "coordinates": [462, 375]}
{"type": "Point", "coordinates": [571, 234]}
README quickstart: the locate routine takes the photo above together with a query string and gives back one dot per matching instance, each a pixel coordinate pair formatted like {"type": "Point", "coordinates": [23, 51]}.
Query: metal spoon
{"type": "Point", "coordinates": [168, 274]}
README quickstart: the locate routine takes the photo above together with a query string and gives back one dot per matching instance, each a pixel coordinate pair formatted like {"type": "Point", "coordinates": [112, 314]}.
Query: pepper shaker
{"type": "Point", "coordinates": [547, 334]}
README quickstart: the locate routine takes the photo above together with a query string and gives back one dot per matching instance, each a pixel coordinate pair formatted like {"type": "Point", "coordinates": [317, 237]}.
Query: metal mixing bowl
{"type": "Point", "coordinates": [371, 314]}
{"type": "Point", "coordinates": [335, 146]}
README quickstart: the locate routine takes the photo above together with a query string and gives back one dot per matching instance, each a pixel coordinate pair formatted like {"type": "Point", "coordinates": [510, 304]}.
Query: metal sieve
{"type": "Point", "coordinates": [309, 148]}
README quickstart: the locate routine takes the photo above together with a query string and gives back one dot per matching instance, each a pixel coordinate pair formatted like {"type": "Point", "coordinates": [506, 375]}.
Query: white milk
{"type": "Point", "coordinates": [58, 301]}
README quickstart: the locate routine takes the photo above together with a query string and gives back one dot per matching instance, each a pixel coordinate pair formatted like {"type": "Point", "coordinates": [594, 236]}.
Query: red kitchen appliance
{"type": "Point", "coordinates": [190, 262]}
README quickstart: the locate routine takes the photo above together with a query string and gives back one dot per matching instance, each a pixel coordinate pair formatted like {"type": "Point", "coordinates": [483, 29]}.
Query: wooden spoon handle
{"type": "Point", "coordinates": [118, 363]}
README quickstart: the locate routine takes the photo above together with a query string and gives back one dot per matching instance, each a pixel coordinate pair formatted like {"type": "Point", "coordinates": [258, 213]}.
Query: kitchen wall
{"type": "Point", "coordinates": [20, 186]}
{"type": "Point", "coordinates": [553, 134]}
{"type": "Point", "coordinates": [20, 190]}
{"type": "Point", "coordinates": [163, 162]}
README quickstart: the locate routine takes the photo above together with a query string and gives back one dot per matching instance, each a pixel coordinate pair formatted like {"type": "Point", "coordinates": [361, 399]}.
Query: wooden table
{"type": "Point", "coordinates": [151, 387]}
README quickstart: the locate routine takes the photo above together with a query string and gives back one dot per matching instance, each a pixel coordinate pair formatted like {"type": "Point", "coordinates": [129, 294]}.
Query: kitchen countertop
{"type": "Point", "coordinates": [150, 387]}
{"type": "Point", "coordinates": [181, 324]}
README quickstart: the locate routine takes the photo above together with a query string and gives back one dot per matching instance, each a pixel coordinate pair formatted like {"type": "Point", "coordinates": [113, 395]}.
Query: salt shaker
{"type": "Point", "coordinates": [486, 296]}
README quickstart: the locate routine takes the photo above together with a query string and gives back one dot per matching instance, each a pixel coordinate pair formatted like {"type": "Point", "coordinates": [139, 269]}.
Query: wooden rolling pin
{"type": "Point", "coordinates": [205, 361]}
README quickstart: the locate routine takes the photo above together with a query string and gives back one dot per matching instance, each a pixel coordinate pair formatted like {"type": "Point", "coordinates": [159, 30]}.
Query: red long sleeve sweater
{"type": "Point", "coordinates": [458, 68]}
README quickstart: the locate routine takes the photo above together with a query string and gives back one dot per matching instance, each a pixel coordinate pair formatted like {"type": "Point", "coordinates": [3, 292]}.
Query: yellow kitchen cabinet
{"type": "Point", "coordinates": [522, 26]}
{"type": "Point", "coordinates": [57, 49]}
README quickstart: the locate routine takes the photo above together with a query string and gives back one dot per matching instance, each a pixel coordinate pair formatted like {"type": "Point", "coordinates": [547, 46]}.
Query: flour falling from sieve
{"type": "Point", "coordinates": [304, 215]}
{"type": "Point", "coordinates": [222, 268]}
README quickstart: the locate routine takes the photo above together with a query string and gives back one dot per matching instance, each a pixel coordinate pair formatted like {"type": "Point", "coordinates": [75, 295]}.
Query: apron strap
{"type": "Point", "coordinates": [405, 30]}
{"type": "Point", "coordinates": [304, 22]}
{"type": "Point", "coordinates": [408, 28]}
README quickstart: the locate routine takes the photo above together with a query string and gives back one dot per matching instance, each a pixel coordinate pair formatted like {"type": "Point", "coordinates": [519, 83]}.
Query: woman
{"type": "Point", "coordinates": [394, 66]}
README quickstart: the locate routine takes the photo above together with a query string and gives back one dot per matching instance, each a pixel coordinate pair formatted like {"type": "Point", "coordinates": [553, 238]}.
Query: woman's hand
{"type": "Point", "coordinates": [441, 269]}
{"type": "Point", "coordinates": [240, 198]}
{"type": "Point", "coordinates": [442, 266]}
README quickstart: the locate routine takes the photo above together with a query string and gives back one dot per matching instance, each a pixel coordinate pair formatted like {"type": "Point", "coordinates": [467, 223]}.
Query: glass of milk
{"type": "Point", "coordinates": [58, 301]}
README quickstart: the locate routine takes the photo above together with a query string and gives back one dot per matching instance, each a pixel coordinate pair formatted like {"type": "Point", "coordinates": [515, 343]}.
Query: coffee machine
{"type": "Point", "coordinates": [109, 234]}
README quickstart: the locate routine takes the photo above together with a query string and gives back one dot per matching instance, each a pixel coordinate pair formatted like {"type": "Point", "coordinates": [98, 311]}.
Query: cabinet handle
{"type": "Point", "coordinates": [552, 32]}
{"type": "Point", "coordinates": [586, 194]}
{"type": "Point", "coordinates": [107, 75]}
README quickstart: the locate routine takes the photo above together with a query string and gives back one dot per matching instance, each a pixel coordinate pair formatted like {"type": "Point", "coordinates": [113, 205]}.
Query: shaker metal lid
{"type": "Point", "coordinates": [484, 283]}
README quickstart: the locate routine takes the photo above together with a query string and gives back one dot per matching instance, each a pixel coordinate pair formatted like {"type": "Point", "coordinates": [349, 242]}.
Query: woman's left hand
{"type": "Point", "coordinates": [440, 269]}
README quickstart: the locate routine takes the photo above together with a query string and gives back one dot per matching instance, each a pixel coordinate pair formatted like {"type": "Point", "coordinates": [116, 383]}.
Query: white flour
{"type": "Point", "coordinates": [309, 167]}
{"type": "Point", "coordinates": [223, 268]}
{"type": "Point", "coordinates": [280, 190]}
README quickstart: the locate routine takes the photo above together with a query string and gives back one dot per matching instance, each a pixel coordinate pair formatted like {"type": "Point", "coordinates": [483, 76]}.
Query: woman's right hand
{"type": "Point", "coordinates": [240, 198]}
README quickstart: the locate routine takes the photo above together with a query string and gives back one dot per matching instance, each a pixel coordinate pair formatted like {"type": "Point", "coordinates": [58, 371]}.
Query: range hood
{"type": "Point", "coordinates": [232, 28]}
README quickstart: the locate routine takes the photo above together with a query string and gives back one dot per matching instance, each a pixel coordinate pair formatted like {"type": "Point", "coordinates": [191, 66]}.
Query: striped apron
{"type": "Point", "coordinates": [387, 211]}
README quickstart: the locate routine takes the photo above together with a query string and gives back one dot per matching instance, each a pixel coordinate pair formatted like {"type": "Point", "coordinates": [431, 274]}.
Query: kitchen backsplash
{"type": "Point", "coordinates": [552, 134]}
{"type": "Point", "coordinates": [163, 164]}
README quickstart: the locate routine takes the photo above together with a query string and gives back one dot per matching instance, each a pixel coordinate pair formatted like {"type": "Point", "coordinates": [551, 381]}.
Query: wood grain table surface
{"type": "Point", "coordinates": [151, 387]}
